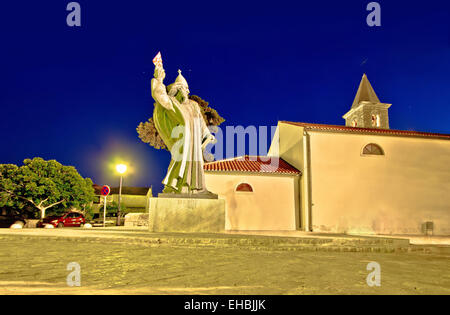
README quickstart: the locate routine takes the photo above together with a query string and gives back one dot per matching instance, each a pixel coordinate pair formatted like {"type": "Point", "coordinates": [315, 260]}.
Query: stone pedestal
{"type": "Point", "coordinates": [186, 215]}
{"type": "Point", "coordinates": [136, 219]}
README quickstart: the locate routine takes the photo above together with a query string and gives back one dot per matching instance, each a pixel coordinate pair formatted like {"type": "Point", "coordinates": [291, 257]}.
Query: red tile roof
{"type": "Point", "coordinates": [388, 132]}
{"type": "Point", "coordinates": [252, 164]}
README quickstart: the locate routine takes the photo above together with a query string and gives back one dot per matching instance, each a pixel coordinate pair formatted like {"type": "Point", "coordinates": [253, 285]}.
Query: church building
{"type": "Point", "coordinates": [361, 178]}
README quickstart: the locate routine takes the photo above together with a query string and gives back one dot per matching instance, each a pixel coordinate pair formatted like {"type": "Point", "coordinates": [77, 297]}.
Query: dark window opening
{"type": "Point", "coordinates": [373, 149]}
{"type": "Point", "coordinates": [244, 187]}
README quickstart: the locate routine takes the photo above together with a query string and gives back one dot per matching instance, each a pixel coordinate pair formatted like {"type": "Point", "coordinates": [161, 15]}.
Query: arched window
{"type": "Point", "coordinates": [376, 121]}
{"type": "Point", "coordinates": [372, 149]}
{"type": "Point", "coordinates": [244, 187]}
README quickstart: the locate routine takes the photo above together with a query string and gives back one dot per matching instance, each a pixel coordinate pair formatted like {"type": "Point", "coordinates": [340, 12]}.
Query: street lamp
{"type": "Point", "coordinates": [121, 169]}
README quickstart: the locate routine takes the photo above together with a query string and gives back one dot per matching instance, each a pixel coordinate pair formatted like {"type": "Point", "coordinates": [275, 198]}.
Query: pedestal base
{"type": "Point", "coordinates": [186, 215]}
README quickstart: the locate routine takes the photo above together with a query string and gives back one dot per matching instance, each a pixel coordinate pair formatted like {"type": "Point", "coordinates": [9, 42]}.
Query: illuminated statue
{"type": "Point", "coordinates": [182, 127]}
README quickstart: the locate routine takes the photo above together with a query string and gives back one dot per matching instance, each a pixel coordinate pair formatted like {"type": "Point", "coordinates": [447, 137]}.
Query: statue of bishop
{"type": "Point", "coordinates": [181, 125]}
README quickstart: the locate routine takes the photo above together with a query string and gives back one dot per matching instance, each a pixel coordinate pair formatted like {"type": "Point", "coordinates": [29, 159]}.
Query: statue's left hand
{"type": "Point", "coordinates": [208, 140]}
{"type": "Point", "coordinates": [211, 139]}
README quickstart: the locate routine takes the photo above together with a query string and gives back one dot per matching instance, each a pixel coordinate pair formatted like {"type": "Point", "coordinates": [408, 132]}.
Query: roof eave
{"type": "Point", "coordinates": [254, 173]}
{"type": "Point", "coordinates": [368, 131]}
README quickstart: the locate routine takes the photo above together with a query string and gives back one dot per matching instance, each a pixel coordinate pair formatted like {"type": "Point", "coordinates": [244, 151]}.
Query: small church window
{"type": "Point", "coordinates": [244, 187]}
{"type": "Point", "coordinates": [376, 121]}
{"type": "Point", "coordinates": [373, 149]}
{"type": "Point", "coordinates": [354, 123]}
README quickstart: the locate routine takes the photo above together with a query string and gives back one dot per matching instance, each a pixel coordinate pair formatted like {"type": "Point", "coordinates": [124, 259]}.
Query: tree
{"type": "Point", "coordinates": [113, 208]}
{"type": "Point", "coordinates": [44, 185]}
{"type": "Point", "coordinates": [211, 116]}
{"type": "Point", "coordinates": [148, 134]}
{"type": "Point", "coordinates": [7, 200]}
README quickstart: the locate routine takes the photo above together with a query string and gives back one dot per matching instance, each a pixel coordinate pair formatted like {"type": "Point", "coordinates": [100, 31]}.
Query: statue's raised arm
{"type": "Point", "coordinates": [159, 92]}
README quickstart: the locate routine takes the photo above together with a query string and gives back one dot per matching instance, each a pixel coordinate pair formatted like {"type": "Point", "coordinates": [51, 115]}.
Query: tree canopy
{"type": "Point", "coordinates": [42, 185]}
{"type": "Point", "coordinates": [148, 133]}
{"type": "Point", "coordinates": [113, 208]}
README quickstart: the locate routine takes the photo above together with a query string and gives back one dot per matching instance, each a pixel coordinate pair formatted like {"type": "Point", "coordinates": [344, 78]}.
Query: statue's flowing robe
{"type": "Point", "coordinates": [183, 130]}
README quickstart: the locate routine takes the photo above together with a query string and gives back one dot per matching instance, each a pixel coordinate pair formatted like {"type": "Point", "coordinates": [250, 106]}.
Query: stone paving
{"type": "Point", "coordinates": [137, 262]}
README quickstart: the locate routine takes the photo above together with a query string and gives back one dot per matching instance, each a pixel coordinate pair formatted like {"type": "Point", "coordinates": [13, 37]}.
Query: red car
{"type": "Point", "coordinates": [69, 219]}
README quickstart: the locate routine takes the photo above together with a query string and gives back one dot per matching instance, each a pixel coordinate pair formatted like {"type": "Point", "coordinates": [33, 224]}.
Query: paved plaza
{"type": "Point", "coordinates": [119, 261]}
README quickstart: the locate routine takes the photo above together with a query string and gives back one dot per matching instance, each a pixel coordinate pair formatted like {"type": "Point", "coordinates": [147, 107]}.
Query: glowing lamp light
{"type": "Point", "coordinates": [121, 168]}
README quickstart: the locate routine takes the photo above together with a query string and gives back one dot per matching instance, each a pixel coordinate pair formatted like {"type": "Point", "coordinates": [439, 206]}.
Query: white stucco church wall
{"type": "Point", "coordinates": [271, 206]}
{"type": "Point", "coordinates": [394, 193]}
{"type": "Point", "coordinates": [272, 203]}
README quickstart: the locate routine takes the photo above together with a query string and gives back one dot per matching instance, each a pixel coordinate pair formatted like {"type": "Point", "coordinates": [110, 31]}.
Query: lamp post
{"type": "Point", "coordinates": [121, 169]}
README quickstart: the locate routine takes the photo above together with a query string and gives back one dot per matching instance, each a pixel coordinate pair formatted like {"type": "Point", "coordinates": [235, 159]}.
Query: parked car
{"type": "Point", "coordinates": [69, 219]}
{"type": "Point", "coordinates": [8, 218]}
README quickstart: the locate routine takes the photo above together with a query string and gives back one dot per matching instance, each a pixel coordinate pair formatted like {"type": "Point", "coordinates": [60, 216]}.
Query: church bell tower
{"type": "Point", "coordinates": [367, 111]}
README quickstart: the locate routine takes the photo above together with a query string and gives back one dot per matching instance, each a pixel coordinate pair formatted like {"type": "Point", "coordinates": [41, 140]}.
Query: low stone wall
{"type": "Point", "coordinates": [31, 223]}
{"type": "Point", "coordinates": [136, 219]}
{"type": "Point", "coordinates": [186, 215]}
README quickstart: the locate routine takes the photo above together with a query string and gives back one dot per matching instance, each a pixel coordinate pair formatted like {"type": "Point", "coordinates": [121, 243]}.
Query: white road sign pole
{"type": "Point", "coordinates": [104, 212]}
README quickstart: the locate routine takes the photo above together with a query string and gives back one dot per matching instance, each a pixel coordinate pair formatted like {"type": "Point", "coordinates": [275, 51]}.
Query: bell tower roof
{"type": "Point", "coordinates": [367, 111]}
{"type": "Point", "coordinates": [365, 93]}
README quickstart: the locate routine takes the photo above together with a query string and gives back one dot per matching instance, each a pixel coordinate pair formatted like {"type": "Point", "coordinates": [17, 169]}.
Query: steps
{"type": "Point", "coordinates": [248, 242]}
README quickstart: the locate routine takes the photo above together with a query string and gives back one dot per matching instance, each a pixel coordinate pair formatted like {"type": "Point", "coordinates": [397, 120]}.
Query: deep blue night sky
{"type": "Point", "coordinates": [77, 94]}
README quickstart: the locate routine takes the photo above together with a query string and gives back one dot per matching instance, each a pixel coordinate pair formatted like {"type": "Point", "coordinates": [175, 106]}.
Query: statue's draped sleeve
{"type": "Point", "coordinates": [166, 116]}
{"type": "Point", "coordinates": [159, 94]}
